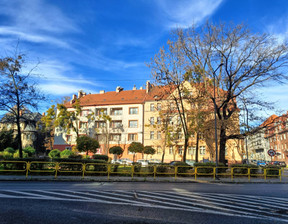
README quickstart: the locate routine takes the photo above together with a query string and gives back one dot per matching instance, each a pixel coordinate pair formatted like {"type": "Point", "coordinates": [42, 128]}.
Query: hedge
{"type": "Point", "coordinates": [243, 168]}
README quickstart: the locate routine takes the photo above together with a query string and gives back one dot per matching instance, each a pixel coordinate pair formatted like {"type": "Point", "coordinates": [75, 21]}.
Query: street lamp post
{"type": "Point", "coordinates": [216, 140]}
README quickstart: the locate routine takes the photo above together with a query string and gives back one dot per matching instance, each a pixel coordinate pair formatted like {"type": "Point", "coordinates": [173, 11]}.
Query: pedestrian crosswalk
{"type": "Point", "coordinates": [272, 208]}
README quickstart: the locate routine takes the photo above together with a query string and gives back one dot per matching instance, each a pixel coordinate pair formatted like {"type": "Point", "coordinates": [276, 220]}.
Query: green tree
{"type": "Point", "coordinates": [7, 139]}
{"type": "Point", "coordinates": [66, 153]}
{"type": "Point", "coordinates": [148, 150]}
{"type": "Point", "coordinates": [17, 91]}
{"type": "Point", "coordinates": [136, 147]}
{"type": "Point", "coordinates": [116, 151]}
{"type": "Point", "coordinates": [87, 144]}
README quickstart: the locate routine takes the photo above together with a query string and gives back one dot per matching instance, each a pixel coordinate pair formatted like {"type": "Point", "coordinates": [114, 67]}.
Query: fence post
{"type": "Point", "coordinates": [196, 173]}
{"type": "Point", "coordinates": [249, 171]}
{"type": "Point", "coordinates": [83, 169]}
{"type": "Point", "coordinates": [265, 173]}
{"type": "Point", "coordinates": [214, 172]}
{"type": "Point", "coordinates": [56, 169]}
{"type": "Point", "coordinates": [176, 171]}
{"type": "Point", "coordinates": [108, 171]}
{"type": "Point", "coordinates": [27, 168]}
{"type": "Point", "coordinates": [132, 172]}
{"type": "Point", "coordinates": [280, 176]}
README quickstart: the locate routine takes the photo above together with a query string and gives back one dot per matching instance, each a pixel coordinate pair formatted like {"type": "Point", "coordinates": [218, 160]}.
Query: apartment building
{"type": "Point", "coordinates": [123, 116]}
{"type": "Point", "coordinates": [276, 134]}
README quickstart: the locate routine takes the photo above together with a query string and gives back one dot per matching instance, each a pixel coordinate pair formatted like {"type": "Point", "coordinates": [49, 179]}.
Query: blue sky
{"type": "Point", "coordinates": [98, 45]}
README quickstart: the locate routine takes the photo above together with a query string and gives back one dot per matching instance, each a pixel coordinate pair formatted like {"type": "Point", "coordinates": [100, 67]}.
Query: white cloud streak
{"type": "Point", "coordinates": [187, 12]}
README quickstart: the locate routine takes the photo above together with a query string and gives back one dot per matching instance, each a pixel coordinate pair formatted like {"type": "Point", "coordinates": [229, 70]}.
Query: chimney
{"type": "Point", "coordinates": [43, 114]}
{"type": "Point", "coordinates": [148, 86]}
{"type": "Point", "coordinates": [102, 91]}
{"type": "Point", "coordinates": [141, 87]}
{"type": "Point", "coordinates": [134, 87]}
{"type": "Point", "coordinates": [118, 89]}
{"type": "Point", "coordinates": [74, 97]}
{"type": "Point", "coordinates": [80, 94]}
{"type": "Point", "coordinates": [84, 94]}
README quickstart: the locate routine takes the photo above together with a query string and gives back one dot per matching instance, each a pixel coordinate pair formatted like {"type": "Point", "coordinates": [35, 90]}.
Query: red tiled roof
{"type": "Point", "coordinates": [113, 98]}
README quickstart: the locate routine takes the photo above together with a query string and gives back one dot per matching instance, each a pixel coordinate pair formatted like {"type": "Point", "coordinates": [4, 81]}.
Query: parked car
{"type": "Point", "coordinates": [123, 161]}
{"type": "Point", "coordinates": [190, 162]}
{"type": "Point", "coordinates": [173, 163]}
{"type": "Point", "coordinates": [143, 162]}
{"type": "Point", "coordinates": [154, 161]}
{"type": "Point", "coordinates": [279, 163]}
{"type": "Point", "coordinates": [261, 163]}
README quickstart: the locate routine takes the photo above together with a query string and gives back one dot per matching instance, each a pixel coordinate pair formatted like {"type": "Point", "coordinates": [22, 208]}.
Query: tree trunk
{"type": "Point", "coordinates": [185, 149]}
{"type": "Point", "coordinates": [19, 137]}
{"type": "Point", "coordinates": [163, 155]}
{"type": "Point", "coordinates": [197, 148]}
{"type": "Point", "coordinates": [222, 144]}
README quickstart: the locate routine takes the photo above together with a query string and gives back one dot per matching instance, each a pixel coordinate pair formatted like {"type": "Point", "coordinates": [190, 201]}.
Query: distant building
{"type": "Point", "coordinates": [28, 123]}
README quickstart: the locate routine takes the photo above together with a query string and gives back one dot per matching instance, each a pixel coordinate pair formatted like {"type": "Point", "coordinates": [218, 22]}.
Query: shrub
{"type": "Point", "coordinates": [184, 167]}
{"type": "Point", "coordinates": [10, 150]}
{"type": "Point", "coordinates": [162, 168]}
{"type": "Point", "coordinates": [30, 151]}
{"type": "Point", "coordinates": [272, 170]}
{"type": "Point", "coordinates": [6, 155]}
{"type": "Point", "coordinates": [243, 168]}
{"type": "Point", "coordinates": [206, 168]}
{"type": "Point", "coordinates": [55, 153]}
{"type": "Point", "coordinates": [17, 154]}
{"type": "Point", "coordinates": [66, 153]}
{"type": "Point", "coordinates": [100, 157]}
{"type": "Point", "coordinates": [137, 167]}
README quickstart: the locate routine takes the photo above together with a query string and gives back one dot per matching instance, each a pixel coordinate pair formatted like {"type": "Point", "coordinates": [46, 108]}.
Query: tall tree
{"type": "Point", "coordinates": [236, 58]}
{"type": "Point", "coordinates": [17, 91]}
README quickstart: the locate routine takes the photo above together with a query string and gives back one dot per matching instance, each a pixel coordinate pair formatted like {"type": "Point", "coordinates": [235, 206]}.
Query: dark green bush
{"type": "Point", "coordinates": [206, 168]}
{"type": "Point", "coordinates": [272, 170]}
{"type": "Point", "coordinates": [17, 154]}
{"type": "Point", "coordinates": [137, 167]}
{"type": "Point", "coordinates": [10, 150]}
{"type": "Point", "coordinates": [30, 151]}
{"type": "Point", "coordinates": [101, 157]}
{"type": "Point", "coordinates": [243, 168]}
{"type": "Point", "coordinates": [183, 167]}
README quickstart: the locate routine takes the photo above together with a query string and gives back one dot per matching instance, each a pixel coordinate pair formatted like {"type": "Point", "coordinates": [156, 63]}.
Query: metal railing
{"type": "Point", "coordinates": [106, 169]}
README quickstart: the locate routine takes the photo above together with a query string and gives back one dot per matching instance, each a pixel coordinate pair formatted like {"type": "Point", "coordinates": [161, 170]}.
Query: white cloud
{"type": "Point", "coordinates": [63, 89]}
{"type": "Point", "coordinates": [187, 12]}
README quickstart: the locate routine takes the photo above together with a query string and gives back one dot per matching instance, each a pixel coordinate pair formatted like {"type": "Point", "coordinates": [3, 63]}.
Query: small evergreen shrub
{"type": "Point", "coordinates": [17, 154]}
{"type": "Point", "coordinates": [55, 153]}
{"type": "Point", "coordinates": [30, 151]}
{"type": "Point", "coordinates": [10, 150]}
{"type": "Point", "coordinates": [243, 168]}
{"type": "Point", "coordinates": [272, 170]}
{"type": "Point", "coordinates": [101, 157]}
{"type": "Point", "coordinates": [66, 153]}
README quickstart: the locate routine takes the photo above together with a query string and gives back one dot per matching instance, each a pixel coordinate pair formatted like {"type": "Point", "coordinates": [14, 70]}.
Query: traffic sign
{"type": "Point", "coordinates": [271, 152]}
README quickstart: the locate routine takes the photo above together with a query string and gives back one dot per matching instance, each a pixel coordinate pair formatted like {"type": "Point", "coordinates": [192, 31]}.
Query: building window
{"type": "Point", "coordinates": [133, 124]}
{"type": "Point", "coordinates": [152, 107]}
{"type": "Point", "coordinates": [83, 125]}
{"type": "Point", "coordinates": [171, 150]}
{"type": "Point", "coordinates": [84, 112]}
{"type": "Point", "coordinates": [180, 150]}
{"type": "Point", "coordinates": [159, 135]}
{"type": "Point", "coordinates": [158, 120]}
{"type": "Point", "coordinates": [151, 134]}
{"type": "Point", "coordinates": [116, 124]}
{"type": "Point", "coordinates": [133, 110]}
{"type": "Point", "coordinates": [132, 137]}
{"type": "Point", "coordinates": [191, 150]}
{"type": "Point", "coordinates": [152, 122]}
{"type": "Point", "coordinates": [101, 111]}
{"type": "Point", "coordinates": [158, 106]}
{"type": "Point", "coordinates": [203, 150]}
{"type": "Point", "coordinates": [115, 137]}
{"type": "Point", "coordinates": [69, 138]}
{"type": "Point", "coordinates": [116, 111]}
{"type": "Point", "coordinates": [68, 147]}
{"type": "Point", "coordinates": [100, 124]}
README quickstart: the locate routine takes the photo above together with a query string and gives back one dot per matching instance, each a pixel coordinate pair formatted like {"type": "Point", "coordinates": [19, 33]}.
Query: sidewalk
{"type": "Point", "coordinates": [236, 180]}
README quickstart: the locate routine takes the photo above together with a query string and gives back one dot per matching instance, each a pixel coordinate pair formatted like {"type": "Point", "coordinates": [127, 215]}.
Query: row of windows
{"type": "Point", "coordinates": [116, 124]}
{"type": "Point", "coordinates": [116, 111]}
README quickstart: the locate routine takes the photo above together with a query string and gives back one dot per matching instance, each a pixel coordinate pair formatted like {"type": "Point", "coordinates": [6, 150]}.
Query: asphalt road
{"type": "Point", "coordinates": [76, 202]}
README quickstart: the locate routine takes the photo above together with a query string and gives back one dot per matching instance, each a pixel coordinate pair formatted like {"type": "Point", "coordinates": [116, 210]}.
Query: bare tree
{"type": "Point", "coordinates": [17, 91]}
{"type": "Point", "coordinates": [247, 60]}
